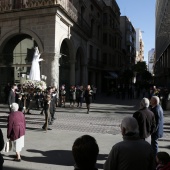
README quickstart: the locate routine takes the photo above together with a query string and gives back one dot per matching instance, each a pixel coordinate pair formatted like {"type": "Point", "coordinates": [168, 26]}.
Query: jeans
{"type": "Point", "coordinates": [154, 144]}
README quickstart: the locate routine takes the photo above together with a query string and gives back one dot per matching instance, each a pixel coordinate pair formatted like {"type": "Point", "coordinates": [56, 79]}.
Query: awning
{"type": "Point", "coordinates": [113, 75]}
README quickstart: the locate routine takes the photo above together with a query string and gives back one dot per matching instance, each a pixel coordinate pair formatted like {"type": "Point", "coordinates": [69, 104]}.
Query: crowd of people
{"type": "Point", "coordinates": [141, 131]}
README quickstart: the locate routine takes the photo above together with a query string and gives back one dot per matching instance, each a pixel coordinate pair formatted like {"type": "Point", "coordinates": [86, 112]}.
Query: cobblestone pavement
{"type": "Point", "coordinates": [103, 118]}
{"type": "Point", "coordinates": [52, 150]}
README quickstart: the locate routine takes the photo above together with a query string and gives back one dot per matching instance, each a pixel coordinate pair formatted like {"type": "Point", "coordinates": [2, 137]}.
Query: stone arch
{"type": "Point", "coordinates": [66, 76]}
{"type": "Point", "coordinates": [11, 54]}
{"type": "Point", "coordinates": [70, 44]}
{"type": "Point", "coordinates": [15, 32]}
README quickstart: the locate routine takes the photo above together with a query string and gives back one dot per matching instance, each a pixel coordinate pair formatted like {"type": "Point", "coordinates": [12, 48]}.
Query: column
{"type": "Point", "coordinates": [72, 71]}
{"type": "Point", "coordinates": [50, 68]}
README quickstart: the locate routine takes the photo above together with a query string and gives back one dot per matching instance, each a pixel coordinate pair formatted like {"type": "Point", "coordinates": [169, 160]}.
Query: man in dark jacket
{"type": "Point", "coordinates": [146, 120]}
{"type": "Point", "coordinates": [12, 96]}
{"type": "Point", "coordinates": [158, 112]}
{"type": "Point", "coordinates": [132, 153]}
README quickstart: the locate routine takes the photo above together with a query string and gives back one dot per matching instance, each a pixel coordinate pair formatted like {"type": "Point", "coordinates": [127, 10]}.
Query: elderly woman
{"type": "Point", "coordinates": [16, 130]}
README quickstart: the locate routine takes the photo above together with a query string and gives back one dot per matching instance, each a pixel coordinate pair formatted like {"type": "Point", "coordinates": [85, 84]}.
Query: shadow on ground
{"type": "Point", "coordinates": [55, 157]}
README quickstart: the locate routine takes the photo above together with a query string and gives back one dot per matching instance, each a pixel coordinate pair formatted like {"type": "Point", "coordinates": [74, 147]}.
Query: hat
{"type": "Point", "coordinates": [144, 103]}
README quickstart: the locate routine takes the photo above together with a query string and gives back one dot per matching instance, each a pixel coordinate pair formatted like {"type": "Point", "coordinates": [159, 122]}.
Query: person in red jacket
{"type": "Point", "coordinates": [16, 130]}
{"type": "Point", "coordinates": [163, 161]}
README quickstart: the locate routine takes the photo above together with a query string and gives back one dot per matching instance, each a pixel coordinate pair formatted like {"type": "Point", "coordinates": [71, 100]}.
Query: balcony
{"type": "Point", "coordinates": [26, 4]}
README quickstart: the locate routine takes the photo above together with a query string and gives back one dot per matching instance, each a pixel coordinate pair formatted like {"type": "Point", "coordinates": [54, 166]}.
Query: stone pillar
{"type": "Point", "coordinates": [72, 72]}
{"type": "Point", "coordinates": [84, 74]}
{"type": "Point", "coordinates": [50, 68]}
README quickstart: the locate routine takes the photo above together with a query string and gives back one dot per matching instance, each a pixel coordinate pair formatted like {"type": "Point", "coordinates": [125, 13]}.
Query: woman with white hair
{"type": "Point", "coordinates": [16, 130]}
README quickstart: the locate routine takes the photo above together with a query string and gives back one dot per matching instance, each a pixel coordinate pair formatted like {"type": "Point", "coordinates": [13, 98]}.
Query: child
{"type": "Point", "coordinates": [163, 161]}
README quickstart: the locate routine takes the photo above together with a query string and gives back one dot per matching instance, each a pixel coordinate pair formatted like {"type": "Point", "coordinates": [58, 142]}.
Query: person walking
{"type": "Point", "coordinates": [12, 96]}
{"type": "Point", "coordinates": [158, 112]}
{"type": "Point", "coordinates": [52, 105]}
{"type": "Point", "coordinates": [16, 130]}
{"type": "Point", "coordinates": [132, 153]}
{"type": "Point", "coordinates": [46, 109]}
{"type": "Point", "coordinates": [88, 97]}
{"type": "Point", "coordinates": [146, 120]}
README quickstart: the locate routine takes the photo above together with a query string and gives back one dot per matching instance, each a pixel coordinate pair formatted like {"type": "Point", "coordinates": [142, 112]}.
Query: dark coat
{"type": "Point", "coordinates": [88, 96]}
{"type": "Point", "coordinates": [158, 112]}
{"type": "Point", "coordinates": [146, 122]}
{"type": "Point", "coordinates": [21, 105]}
{"type": "Point", "coordinates": [11, 97]}
{"type": "Point", "coordinates": [128, 154]}
{"type": "Point", "coordinates": [16, 125]}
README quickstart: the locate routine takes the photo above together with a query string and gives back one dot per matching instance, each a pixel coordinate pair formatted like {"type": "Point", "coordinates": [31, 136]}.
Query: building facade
{"type": "Point", "coordinates": [162, 44]}
{"type": "Point", "coordinates": [151, 56]}
{"type": "Point", "coordinates": [139, 46]}
{"type": "Point", "coordinates": [69, 34]}
{"type": "Point", "coordinates": [128, 42]}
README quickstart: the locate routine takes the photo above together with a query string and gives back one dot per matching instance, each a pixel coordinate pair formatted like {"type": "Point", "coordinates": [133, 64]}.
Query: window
{"type": "Point", "coordinates": [92, 26]}
{"type": "Point", "coordinates": [91, 52]}
{"type": "Point", "coordinates": [104, 58]}
{"type": "Point", "coordinates": [105, 38]}
{"type": "Point", "coordinates": [105, 19]}
{"type": "Point", "coordinates": [98, 32]}
{"type": "Point", "coordinates": [91, 6]}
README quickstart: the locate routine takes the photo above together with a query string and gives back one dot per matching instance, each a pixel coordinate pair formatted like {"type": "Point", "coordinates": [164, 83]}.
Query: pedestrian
{"type": "Point", "coordinates": [85, 151]}
{"type": "Point", "coordinates": [72, 96]}
{"type": "Point", "coordinates": [16, 130]}
{"type": "Point", "coordinates": [1, 147]}
{"type": "Point", "coordinates": [52, 105]}
{"type": "Point", "coordinates": [20, 103]}
{"type": "Point", "coordinates": [132, 153]}
{"type": "Point", "coordinates": [146, 120]}
{"type": "Point", "coordinates": [62, 96]}
{"type": "Point", "coordinates": [46, 109]}
{"type": "Point", "coordinates": [94, 88]}
{"type": "Point", "coordinates": [163, 161]}
{"type": "Point", "coordinates": [88, 97]}
{"type": "Point", "coordinates": [158, 112]}
{"type": "Point", "coordinates": [80, 95]}
{"type": "Point", "coordinates": [12, 96]}
{"type": "Point", "coordinates": [6, 92]}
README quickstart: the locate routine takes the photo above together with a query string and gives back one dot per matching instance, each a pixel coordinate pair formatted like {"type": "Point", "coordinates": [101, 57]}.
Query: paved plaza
{"type": "Point", "coordinates": [52, 149]}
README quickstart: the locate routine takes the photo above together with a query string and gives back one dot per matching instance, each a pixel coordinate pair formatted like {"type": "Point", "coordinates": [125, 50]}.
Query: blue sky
{"type": "Point", "coordinates": [142, 15]}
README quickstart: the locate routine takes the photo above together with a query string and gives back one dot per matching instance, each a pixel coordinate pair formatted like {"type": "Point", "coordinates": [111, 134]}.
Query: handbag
{"type": "Point", "coordinates": [7, 146]}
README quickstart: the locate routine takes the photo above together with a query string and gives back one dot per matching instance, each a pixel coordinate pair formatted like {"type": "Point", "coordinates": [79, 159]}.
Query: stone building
{"type": "Point", "coordinates": [162, 44]}
{"type": "Point", "coordinates": [69, 35]}
{"type": "Point", "coordinates": [128, 41]}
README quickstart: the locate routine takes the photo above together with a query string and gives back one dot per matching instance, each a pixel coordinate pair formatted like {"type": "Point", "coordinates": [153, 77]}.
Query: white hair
{"type": "Point", "coordinates": [144, 103]}
{"type": "Point", "coordinates": [157, 100]}
{"type": "Point", "coordinates": [14, 107]}
{"type": "Point", "coordinates": [130, 124]}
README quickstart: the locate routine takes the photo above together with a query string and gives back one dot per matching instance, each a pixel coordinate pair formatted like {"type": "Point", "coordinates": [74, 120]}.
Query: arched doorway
{"type": "Point", "coordinates": [79, 67]}
{"type": "Point", "coordinates": [16, 57]}
{"type": "Point", "coordinates": [64, 70]}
